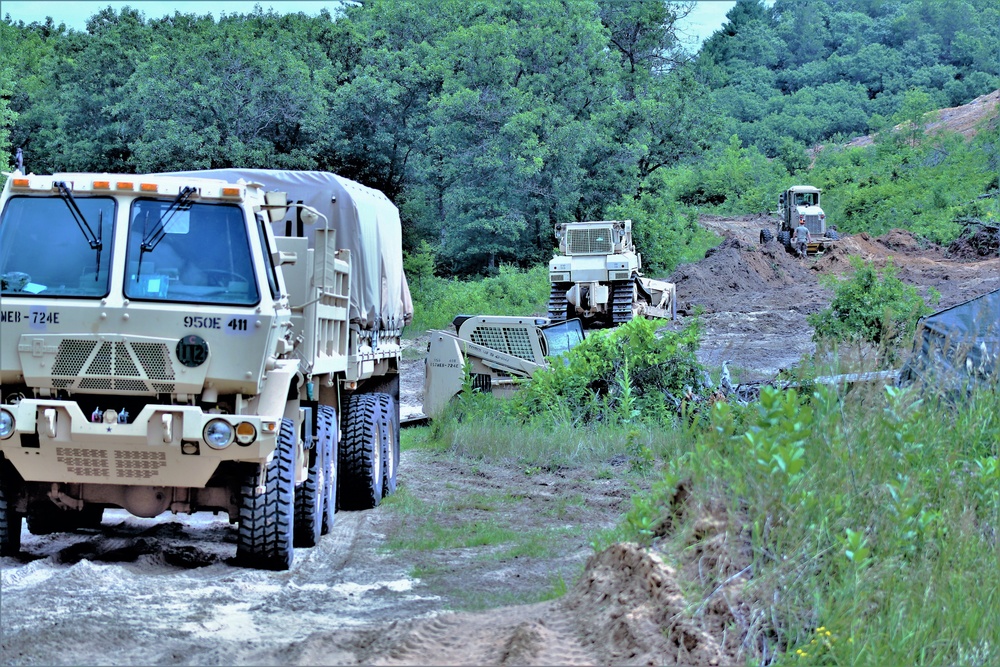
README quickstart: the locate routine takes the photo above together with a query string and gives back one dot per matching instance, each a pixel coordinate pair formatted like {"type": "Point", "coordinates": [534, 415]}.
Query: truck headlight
{"type": "Point", "coordinates": [6, 424]}
{"type": "Point", "coordinates": [218, 434]}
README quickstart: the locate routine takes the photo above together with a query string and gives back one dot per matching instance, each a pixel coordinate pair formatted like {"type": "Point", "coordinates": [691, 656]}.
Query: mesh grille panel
{"type": "Point", "coordinates": [96, 383]}
{"type": "Point", "coordinates": [139, 465]}
{"type": "Point", "coordinates": [155, 360]}
{"type": "Point", "coordinates": [509, 340]}
{"type": "Point", "coordinates": [589, 241]}
{"type": "Point", "coordinates": [101, 365]}
{"type": "Point", "coordinates": [71, 356]}
{"type": "Point", "coordinates": [123, 362]}
{"type": "Point", "coordinates": [84, 462]}
{"type": "Point", "coordinates": [130, 385]}
{"type": "Point", "coordinates": [813, 224]}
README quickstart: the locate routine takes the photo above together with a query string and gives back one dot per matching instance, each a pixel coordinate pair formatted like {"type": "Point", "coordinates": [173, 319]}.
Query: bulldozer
{"type": "Point", "coordinates": [497, 350]}
{"type": "Point", "coordinates": [800, 204]}
{"type": "Point", "coordinates": [596, 277]}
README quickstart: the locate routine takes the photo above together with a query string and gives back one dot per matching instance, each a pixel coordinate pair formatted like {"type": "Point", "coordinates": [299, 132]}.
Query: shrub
{"type": "Point", "coordinates": [872, 306]}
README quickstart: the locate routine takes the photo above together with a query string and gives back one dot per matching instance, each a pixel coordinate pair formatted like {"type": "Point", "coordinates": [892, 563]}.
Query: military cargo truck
{"type": "Point", "coordinates": [596, 276]}
{"type": "Point", "coordinates": [222, 341]}
{"type": "Point", "coordinates": [497, 350]}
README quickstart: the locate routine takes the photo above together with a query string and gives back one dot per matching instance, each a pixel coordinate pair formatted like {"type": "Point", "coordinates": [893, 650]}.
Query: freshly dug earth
{"type": "Point", "coordinates": [163, 591]}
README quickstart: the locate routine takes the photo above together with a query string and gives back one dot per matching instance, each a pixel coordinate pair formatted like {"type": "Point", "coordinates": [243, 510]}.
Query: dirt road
{"type": "Point", "coordinates": [145, 591]}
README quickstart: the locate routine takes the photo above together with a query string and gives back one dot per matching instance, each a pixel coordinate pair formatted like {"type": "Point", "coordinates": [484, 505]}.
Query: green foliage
{"type": "Point", "coordinates": [436, 301]}
{"type": "Point", "coordinates": [665, 233]}
{"type": "Point", "coordinates": [870, 305]}
{"type": "Point", "coordinates": [628, 374]}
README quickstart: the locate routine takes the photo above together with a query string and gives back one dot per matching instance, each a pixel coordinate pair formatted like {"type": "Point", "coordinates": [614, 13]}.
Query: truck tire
{"type": "Point", "coordinates": [10, 519]}
{"type": "Point", "coordinates": [765, 236]}
{"type": "Point", "coordinates": [309, 498]}
{"type": "Point", "coordinates": [390, 443]}
{"type": "Point", "coordinates": [327, 437]}
{"type": "Point", "coordinates": [45, 517]}
{"type": "Point", "coordinates": [264, 539]}
{"type": "Point", "coordinates": [785, 239]}
{"type": "Point", "coordinates": [360, 464]}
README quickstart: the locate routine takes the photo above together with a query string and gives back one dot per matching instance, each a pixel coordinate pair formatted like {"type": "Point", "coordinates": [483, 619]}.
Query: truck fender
{"type": "Point", "coordinates": [277, 383]}
{"type": "Point", "coordinates": [444, 372]}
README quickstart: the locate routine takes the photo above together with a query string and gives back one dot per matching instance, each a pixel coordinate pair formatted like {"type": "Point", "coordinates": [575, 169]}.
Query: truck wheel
{"type": "Point", "coordinates": [309, 499]}
{"type": "Point", "coordinates": [10, 521]}
{"type": "Point", "coordinates": [45, 517]}
{"type": "Point", "coordinates": [265, 533]}
{"type": "Point", "coordinates": [360, 464]}
{"type": "Point", "coordinates": [765, 236]}
{"type": "Point", "coordinates": [326, 434]}
{"type": "Point", "coordinates": [785, 239]}
{"type": "Point", "coordinates": [390, 443]}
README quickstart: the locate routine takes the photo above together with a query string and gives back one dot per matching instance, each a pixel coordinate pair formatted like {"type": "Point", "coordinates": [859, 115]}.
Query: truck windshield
{"type": "Point", "coordinates": [42, 249]}
{"type": "Point", "coordinates": [563, 337]}
{"type": "Point", "coordinates": [203, 255]}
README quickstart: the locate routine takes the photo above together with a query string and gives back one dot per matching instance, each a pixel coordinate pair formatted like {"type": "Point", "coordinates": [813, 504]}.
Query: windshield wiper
{"type": "Point", "coordinates": [94, 240]}
{"type": "Point", "coordinates": [153, 236]}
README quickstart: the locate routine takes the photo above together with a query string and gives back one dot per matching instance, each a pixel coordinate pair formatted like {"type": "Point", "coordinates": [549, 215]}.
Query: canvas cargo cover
{"type": "Point", "coordinates": [958, 346]}
{"type": "Point", "coordinates": [367, 224]}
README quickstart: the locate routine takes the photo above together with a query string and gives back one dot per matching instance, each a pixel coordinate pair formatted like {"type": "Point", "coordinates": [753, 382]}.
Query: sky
{"type": "Point", "coordinates": [707, 16]}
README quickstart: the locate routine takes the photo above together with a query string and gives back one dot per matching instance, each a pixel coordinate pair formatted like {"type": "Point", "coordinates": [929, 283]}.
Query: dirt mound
{"type": "Point", "coordinates": [976, 241]}
{"type": "Point", "coordinates": [965, 119]}
{"type": "Point", "coordinates": [632, 611]}
{"type": "Point", "coordinates": [737, 275]}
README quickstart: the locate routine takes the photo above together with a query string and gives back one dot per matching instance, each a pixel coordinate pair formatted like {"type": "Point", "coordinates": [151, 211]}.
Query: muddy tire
{"type": "Point", "coordinates": [45, 517]}
{"type": "Point", "coordinates": [390, 444]}
{"type": "Point", "coordinates": [264, 540]}
{"type": "Point", "coordinates": [360, 464]}
{"type": "Point", "coordinates": [785, 239]}
{"type": "Point", "coordinates": [309, 498]}
{"type": "Point", "coordinates": [327, 433]}
{"type": "Point", "coordinates": [10, 519]}
{"type": "Point", "coordinates": [765, 236]}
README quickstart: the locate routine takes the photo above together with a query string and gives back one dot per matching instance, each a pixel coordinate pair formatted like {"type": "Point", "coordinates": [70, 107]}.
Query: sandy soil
{"type": "Point", "coordinates": [163, 591]}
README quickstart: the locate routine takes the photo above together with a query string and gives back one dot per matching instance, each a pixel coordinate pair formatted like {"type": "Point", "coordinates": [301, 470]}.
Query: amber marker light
{"type": "Point", "coordinates": [149, 187]}
{"type": "Point", "coordinates": [246, 433]}
{"type": "Point", "coordinates": [102, 185]}
{"type": "Point", "coordinates": [19, 183]}
{"type": "Point", "coordinates": [125, 185]}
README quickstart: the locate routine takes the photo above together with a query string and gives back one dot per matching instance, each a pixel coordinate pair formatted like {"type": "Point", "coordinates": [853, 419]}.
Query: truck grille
{"type": "Point", "coordinates": [133, 367]}
{"type": "Point", "coordinates": [814, 225]}
{"type": "Point", "coordinates": [90, 462]}
{"type": "Point", "coordinates": [589, 241]}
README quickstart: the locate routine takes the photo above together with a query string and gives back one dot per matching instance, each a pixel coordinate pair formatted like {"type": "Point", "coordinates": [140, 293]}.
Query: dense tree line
{"type": "Point", "coordinates": [486, 122]}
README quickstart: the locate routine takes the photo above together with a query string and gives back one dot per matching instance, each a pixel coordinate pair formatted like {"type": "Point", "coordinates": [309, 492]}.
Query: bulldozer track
{"type": "Point", "coordinates": [557, 301]}
{"type": "Point", "coordinates": [622, 298]}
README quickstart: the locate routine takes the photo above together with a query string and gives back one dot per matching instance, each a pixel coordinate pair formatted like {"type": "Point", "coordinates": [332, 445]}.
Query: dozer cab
{"type": "Point", "coordinates": [596, 276]}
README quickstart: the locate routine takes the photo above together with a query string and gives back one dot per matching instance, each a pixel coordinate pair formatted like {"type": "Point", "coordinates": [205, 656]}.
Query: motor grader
{"type": "Point", "coordinates": [800, 204]}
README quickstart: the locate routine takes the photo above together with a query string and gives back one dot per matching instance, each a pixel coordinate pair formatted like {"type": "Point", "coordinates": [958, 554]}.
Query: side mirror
{"type": "Point", "coordinates": [276, 205]}
{"type": "Point", "coordinates": [308, 215]}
